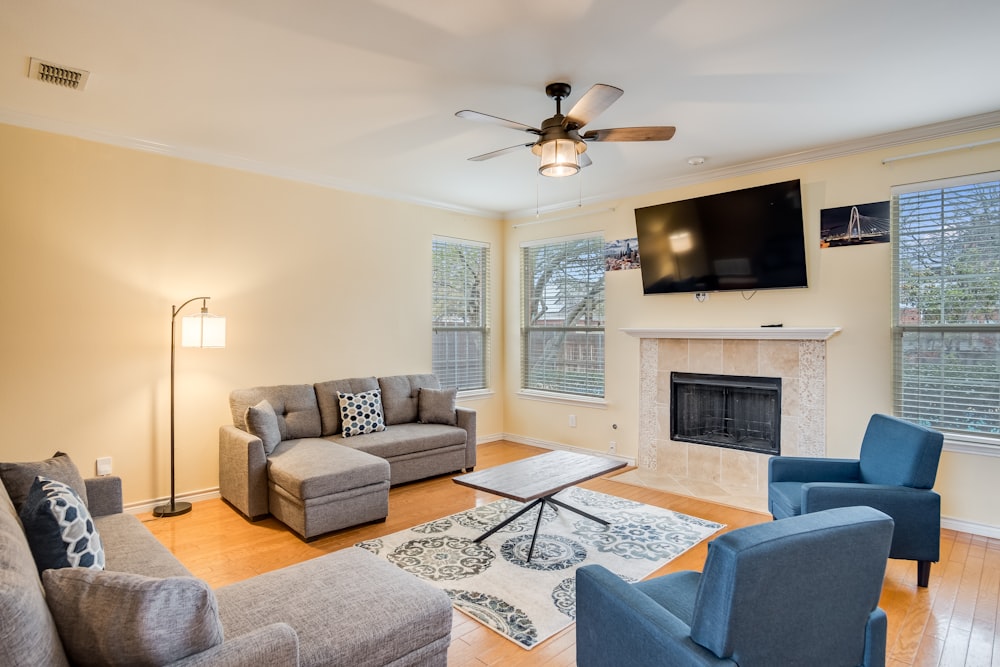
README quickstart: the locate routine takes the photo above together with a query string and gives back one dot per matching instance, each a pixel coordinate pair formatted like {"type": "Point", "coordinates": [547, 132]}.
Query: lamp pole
{"type": "Point", "coordinates": [175, 508]}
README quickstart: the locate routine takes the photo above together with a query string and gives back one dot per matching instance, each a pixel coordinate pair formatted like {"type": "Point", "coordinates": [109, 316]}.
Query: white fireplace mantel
{"type": "Point", "coordinates": [748, 333]}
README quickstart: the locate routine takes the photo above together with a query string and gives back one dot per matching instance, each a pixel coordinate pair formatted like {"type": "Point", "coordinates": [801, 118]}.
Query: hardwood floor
{"type": "Point", "coordinates": [953, 622]}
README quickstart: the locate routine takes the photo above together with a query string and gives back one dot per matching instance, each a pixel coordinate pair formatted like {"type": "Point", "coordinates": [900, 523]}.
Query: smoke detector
{"type": "Point", "coordinates": [60, 75]}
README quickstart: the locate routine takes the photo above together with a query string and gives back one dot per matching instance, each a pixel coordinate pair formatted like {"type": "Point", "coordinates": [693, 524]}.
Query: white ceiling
{"type": "Point", "coordinates": [361, 94]}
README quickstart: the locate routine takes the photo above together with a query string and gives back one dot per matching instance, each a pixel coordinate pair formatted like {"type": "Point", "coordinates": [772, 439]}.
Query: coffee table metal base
{"type": "Point", "coordinates": [540, 503]}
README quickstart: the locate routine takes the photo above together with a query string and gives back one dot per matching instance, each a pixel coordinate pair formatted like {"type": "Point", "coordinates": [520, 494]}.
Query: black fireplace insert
{"type": "Point", "coordinates": [734, 411]}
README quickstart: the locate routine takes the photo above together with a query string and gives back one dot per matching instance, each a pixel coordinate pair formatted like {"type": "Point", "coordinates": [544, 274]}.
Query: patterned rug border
{"type": "Point", "coordinates": [526, 603]}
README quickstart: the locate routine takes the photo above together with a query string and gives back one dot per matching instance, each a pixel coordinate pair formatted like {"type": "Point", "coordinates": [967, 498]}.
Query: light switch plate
{"type": "Point", "coordinates": [104, 466]}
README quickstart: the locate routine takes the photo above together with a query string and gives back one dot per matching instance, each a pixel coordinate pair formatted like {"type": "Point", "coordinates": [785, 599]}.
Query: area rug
{"type": "Point", "coordinates": [528, 602]}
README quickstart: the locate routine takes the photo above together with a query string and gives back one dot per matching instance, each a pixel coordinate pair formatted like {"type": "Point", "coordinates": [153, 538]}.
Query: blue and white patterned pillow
{"type": "Point", "coordinates": [362, 412]}
{"type": "Point", "coordinates": [59, 528]}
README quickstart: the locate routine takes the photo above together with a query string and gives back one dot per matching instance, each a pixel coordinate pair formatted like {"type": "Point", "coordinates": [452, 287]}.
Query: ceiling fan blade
{"type": "Point", "coordinates": [591, 105]}
{"type": "Point", "coordinates": [654, 133]}
{"type": "Point", "coordinates": [486, 118]}
{"type": "Point", "coordinates": [502, 151]}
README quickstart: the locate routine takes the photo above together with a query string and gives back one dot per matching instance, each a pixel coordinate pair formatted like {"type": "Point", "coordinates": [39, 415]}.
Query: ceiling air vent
{"type": "Point", "coordinates": [60, 75]}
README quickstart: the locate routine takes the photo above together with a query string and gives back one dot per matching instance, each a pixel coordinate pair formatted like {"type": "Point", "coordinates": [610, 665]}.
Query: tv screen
{"type": "Point", "coordinates": [742, 240]}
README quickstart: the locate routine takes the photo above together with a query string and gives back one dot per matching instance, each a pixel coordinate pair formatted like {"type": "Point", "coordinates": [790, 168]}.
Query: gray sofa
{"type": "Point", "coordinates": [346, 608]}
{"type": "Point", "coordinates": [311, 477]}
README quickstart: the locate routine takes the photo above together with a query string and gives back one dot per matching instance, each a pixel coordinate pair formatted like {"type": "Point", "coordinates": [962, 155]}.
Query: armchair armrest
{"type": "Point", "coordinates": [466, 418]}
{"type": "Point", "coordinates": [243, 471]}
{"type": "Point", "coordinates": [617, 624]}
{"type": "Point", "coordinates": [104, 495]}
{"type": "Point", "coordinates": [807, 469]}
{"type": "Point", "coordinates": [274, 644]}
{"type": "Point", "coordinates": [916, 513]}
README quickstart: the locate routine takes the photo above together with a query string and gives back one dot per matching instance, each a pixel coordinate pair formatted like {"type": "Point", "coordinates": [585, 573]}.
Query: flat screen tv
{"type": "Point", "coordinates": [748, 239]}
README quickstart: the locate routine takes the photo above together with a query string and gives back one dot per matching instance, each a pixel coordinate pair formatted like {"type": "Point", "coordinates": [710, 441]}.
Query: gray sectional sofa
{"type": "Point", "coordinates": [299, 466]}
{"type": "Point", "coordinates": [346, 608]}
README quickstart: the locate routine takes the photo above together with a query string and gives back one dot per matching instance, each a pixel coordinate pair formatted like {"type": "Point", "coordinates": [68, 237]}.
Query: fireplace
{"type": "Point", "coordinates": [734, 411]}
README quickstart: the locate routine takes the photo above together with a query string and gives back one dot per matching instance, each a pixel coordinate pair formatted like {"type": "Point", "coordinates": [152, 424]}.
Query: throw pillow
{"type": "Point", "coordinates": [119, 618]}
{"type": "Point", "coordinates": [59, 528]}
{"type": "Point", "coordinates": [437, 406]}
{"type": "Point", "coordinates": [18, 477]}
{"type": "Point", "coordinates": [262, 422]}
{"type": "Point", "coordinates": [361, 412]}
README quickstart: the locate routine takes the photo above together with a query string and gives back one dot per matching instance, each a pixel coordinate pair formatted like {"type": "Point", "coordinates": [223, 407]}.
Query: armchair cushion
{"type": "Point", "coordinates": [897, 453]}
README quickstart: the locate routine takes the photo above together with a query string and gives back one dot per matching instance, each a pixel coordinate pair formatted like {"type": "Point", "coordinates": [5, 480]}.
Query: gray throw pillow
{"type": "Point", "coordinates": [262, 422]}
{"type": "Point", "coordinates": [437, 406]}
{"type": "Point", "coordinates": [118, 618]}
{"type": "Point", "coordinates": [18, 477]}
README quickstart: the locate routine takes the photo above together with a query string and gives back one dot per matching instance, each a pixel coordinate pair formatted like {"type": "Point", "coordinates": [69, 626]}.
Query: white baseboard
{"type": "Point", "coordinates": [544, 444]}
{"type": "Point", "coordinates": [192, 497]}
{"type": "Point", "coordinates": [972, 527]}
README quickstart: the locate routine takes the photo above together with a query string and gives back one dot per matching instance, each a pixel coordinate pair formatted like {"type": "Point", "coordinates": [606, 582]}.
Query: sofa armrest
{"type": "Point", "coordinates": [808, 469]}
{"type": "Point", "coordinates": [615, 619]}
{"type": "Point", "coordinates": [274, 644]}
{"type": "Point", "coordinates": [466, 418]}
{"type": "Point", "coordinates": [243, 471]}
{"type": "Point", "coordinates": [104, 495]}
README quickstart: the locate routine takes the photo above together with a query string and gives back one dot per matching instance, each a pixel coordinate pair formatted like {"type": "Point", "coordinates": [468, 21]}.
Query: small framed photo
{"type": "Point", "coordinates": [859, 224]}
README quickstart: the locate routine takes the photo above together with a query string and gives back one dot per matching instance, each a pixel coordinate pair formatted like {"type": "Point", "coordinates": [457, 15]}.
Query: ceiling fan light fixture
{"type": "Point", "coordinates": [559, 157]}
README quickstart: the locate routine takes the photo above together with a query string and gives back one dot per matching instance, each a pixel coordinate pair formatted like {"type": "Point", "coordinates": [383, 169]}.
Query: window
{"type": "Point", "coordinates": [946, 324]}
{"type": "Point", "coordinates": [460, 279]}
{"type": "Point", "coordinates": [562, 316]}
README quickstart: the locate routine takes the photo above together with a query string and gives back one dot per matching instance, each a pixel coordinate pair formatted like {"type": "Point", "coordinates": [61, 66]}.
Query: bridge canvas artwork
{"type": "Point", "coordinates": [854, 225]}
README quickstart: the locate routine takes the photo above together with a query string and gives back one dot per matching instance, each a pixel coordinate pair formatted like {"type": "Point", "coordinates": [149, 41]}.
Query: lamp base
{"type": "Point", "coordinates": [172, 509]}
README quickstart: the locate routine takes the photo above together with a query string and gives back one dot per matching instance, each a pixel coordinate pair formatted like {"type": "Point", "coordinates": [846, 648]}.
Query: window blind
{"type": "Point", "coordinates": [946, 319]}
{"type": "Point", "coordinates": [460, 278]}
{"type": "Point", "coordinates": [562, 316]}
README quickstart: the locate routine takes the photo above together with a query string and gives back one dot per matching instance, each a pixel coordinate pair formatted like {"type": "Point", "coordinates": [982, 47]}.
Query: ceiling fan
{"type": "Point", "coordinates": [560, 146]}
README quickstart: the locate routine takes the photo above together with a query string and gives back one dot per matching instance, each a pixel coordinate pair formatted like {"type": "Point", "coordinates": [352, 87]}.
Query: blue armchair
{"type": "Point", "coordinates": [895, 473]}
{"type": "Point", "coordinates": [803, 591]}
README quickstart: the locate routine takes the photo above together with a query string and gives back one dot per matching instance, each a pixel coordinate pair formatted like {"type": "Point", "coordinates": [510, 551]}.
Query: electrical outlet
{"type": "Point", "coordinates": [104, 466]}
{"type": "Point", "coordinates": [572, 421]}
{"type": "Point", "coordinates": [701, 297]}
{"type": "Point", "coordinates": [612, 447]}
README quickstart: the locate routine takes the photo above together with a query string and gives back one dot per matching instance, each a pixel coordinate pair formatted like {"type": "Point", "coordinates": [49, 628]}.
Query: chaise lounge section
{"type": "Point", "coordinates": [312, 476]}
{"type": "Point", "coordinates": [347, 608]}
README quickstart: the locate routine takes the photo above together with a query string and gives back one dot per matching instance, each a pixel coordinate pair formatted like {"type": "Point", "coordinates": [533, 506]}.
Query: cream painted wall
{"type": "Point", "coordinates": [849, 288]}
{"type": "Point", "coordinates": [100, 241]}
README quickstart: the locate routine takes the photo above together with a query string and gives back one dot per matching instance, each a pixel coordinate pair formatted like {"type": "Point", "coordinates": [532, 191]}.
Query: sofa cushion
{"type": "Point", "coordinates": [314, 468]}
{"type": "Point", "coordinates": [263, 423]}
{"type": "Point", "coordinates": [405, 439]}
{"type": "Point", "coordinates": [27, 632]}
{"type": "Point", "coordinates": [437, 406]}
{"type": "Point", "coordinates": [329, 403]}
{"type": "Point", "coordinates": [113, 618]}
{"type": "Point", "coordinates": [361, 413]}
{"type": "Point", "coordinates": [59, 528]}
{"type": "Point", "coordinates": [294, 404]}
{"type": "Point", "coordinates": [400, 396]}
{"type": "Point", "coordinates": [18, 477]}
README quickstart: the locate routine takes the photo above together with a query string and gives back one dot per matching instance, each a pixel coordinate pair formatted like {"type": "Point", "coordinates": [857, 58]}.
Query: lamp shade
{"type": "Point", "coordinates": [203, 330]}
{"type": "Point", "coordinates": [560, 157]}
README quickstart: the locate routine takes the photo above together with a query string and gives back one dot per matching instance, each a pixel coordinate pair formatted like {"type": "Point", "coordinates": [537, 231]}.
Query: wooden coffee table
{"type": "Point", "coordinates": [536, 480]}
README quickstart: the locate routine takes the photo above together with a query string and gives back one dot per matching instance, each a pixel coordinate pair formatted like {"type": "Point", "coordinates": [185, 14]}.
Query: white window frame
{"type": "Point", "coordinates": [454, 304]}
{"type": "Point", "coordinates": [557, 376]}
{"type": "Point", "coordinates": [944, 375]}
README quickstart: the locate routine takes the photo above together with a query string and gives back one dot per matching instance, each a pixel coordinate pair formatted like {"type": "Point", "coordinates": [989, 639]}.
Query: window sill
{"type": "Point", "coordinates": [565, 399]}
{"type": "Point", "coordinates": [474, 395]}
{"type": "Point", "coordinates": [971, 444]}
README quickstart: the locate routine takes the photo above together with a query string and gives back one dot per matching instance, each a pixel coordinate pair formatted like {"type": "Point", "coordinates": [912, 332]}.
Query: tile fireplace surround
{"type": "Point", "coordinates": [733, 477]}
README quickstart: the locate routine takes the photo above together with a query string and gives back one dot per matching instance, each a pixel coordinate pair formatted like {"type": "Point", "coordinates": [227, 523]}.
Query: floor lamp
{"type": "Point", "coordinates": [201, 330]}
